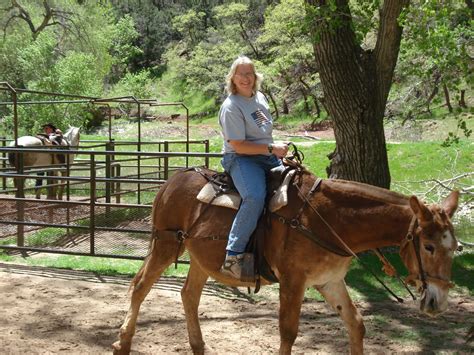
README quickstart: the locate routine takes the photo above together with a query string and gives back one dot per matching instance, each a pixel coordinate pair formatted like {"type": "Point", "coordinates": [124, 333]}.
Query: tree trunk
{"type": "Point", "coordinates": [446, 97]}
{"type": "Point", "coordinates": [315, 99]}
{"type": "Point", "coordinates": [356, 84]}
{"type": "Point", "coordinates": [462, 99]}
{"type": "Point", "coordinates": [306, 105]}
{"type": "Point", "coordinates": [275, 106]}
{"type": "Point", "coordinates": [285, 109]}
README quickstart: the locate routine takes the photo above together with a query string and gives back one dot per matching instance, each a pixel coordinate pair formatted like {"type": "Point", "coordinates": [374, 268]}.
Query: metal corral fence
{"type": "Point", "coordinates": [109, 188]}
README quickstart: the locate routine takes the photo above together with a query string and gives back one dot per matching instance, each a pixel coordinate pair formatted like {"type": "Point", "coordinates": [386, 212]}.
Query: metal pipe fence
{"type": "Point", "coordinates": [107, 203]}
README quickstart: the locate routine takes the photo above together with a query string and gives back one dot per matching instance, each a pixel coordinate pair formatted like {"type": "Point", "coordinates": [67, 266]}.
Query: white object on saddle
{"type": "Point", "coordinates": [229, 200]}
{"type": "Point", "coordinates": [280, 197]}
{"type": "Point", "coordinates": [232, 199]}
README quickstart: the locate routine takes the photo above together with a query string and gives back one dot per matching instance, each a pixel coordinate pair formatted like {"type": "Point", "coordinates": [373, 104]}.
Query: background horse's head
{"type": "Point", "coordinates": [428, 252]}
{"type": "Point", "coordinates": [72, 136]}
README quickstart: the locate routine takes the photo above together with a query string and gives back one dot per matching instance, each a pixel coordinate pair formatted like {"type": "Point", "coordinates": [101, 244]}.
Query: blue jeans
{"type": "Point", "coordinates": [249, 175]}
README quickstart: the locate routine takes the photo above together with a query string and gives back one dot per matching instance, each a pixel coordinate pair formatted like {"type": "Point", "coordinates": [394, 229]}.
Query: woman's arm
{"type": "Point", "coordinates": [250, 148]}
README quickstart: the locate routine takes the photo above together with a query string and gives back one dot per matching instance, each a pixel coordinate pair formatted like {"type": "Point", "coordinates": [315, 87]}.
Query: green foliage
{"type": "Point", "coordinates": [123, 49]}
{"type": "Point", "coordinates": [138, 85]}
{"type": "Point", "coordinates": [434, 59]}
{"type": "Point", "coordinates": [36, 58]}
{"type": "Point", "coordinates": [77, 73]}
{"type": "Point", "coordinates": [190, 26]}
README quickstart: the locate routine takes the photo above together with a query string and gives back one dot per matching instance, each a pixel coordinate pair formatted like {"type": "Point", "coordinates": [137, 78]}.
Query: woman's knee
{"type": "Point", "coordinates": [256, 200]}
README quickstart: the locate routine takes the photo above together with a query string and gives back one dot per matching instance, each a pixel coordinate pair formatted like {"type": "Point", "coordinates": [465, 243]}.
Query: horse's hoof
{"type": "Point", "coordinates": [121, 349]}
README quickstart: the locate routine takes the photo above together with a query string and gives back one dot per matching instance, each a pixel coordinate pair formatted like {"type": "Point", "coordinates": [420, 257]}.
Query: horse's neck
{"type": "Point", "coordinates": [368, 217]}
{"type": "Point", "coordinates": [71, 137]}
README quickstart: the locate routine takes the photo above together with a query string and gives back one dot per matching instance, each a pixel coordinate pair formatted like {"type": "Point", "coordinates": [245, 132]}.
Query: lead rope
{"type": "Point", "coordinates": [391, 271]}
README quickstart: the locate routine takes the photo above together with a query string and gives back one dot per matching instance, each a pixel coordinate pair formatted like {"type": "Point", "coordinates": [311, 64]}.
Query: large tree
{"type": "Point", "coordinates": [356, 83]}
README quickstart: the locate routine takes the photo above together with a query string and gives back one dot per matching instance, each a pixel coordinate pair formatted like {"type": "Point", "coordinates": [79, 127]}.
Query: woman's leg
{"type": "Point", "coordinates": [248, 174]}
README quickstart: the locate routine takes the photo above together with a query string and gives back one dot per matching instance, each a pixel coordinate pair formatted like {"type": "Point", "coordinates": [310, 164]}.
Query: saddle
{"type": "Point", "coordinates": [221, 191]}
{"type": "Point", "coordinates": [57, 142]}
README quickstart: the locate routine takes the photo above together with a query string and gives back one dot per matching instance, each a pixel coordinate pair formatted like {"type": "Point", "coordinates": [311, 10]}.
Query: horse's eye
{"type": "Point", "coordinates": [429, 248]}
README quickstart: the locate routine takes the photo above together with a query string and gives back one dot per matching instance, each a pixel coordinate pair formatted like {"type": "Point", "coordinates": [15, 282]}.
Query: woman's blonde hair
{"type": "Point", "coordinates": [230, 86]}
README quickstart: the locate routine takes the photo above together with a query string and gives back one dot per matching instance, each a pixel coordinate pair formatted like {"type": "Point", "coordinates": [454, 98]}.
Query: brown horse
{"type": "Point", "coordinates": [342, 215]}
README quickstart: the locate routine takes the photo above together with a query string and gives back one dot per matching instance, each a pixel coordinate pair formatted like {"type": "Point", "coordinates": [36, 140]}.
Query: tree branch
{"type": "Point", "coordinates": [388, 44]}
{"type": "Point", "coordinates": [52, 17]}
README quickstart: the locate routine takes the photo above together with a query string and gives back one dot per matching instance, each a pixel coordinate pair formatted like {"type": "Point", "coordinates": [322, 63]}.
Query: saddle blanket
{"type": "Point", "coordinates": [211, 194]}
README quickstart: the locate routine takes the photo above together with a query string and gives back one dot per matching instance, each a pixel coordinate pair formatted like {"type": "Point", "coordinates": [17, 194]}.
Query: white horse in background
{"type": "Point", "coordinates": [44, 160]}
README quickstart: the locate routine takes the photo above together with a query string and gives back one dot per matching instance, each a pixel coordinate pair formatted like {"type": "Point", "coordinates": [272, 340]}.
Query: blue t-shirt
{"type": "Point", "coordinates": [245, 118]}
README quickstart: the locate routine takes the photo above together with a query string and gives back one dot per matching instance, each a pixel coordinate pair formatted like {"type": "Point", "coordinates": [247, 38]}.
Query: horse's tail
{"type": "Point", "coordinates": [11, 159]}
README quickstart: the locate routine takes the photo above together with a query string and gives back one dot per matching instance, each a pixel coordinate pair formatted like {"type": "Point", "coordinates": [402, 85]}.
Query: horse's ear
{"type": "Point", "coordinates": [450, 204]}
{"type": "Point", "coordinates": [421, 211]}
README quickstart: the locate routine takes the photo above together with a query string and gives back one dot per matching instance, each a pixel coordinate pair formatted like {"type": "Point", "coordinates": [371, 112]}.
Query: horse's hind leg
{"type": "Point", "coordinates": [191, 295]}
{"type": "Point", "coordinates": [62, 184]}
{"type": "Point", "coordinates": [337, 296]}
{"type": "Point", "coordinates": [162, 254]}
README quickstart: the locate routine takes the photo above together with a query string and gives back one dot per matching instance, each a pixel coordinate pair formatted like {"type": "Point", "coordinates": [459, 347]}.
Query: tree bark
{"type": "Point", "coordinates": [356, 84]}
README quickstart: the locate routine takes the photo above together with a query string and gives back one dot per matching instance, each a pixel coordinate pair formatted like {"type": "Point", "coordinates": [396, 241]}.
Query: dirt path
{"type": "Point", "coordinates": [51, 311]}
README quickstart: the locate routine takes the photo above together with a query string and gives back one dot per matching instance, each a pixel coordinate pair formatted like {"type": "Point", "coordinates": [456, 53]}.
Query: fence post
{"type": "Point", "coordinates": [166, 160]}
{"type": "Point", "coordinates": [4, 163]}
{"type": "Point", "coordinates": [139, 192]}
{"type": "Point", "coordinates": [108, 175]}
{"type": "Point", "coordinates": [160, 172]}
{"type": "Point", "coordinates": [206, 160]}
{"type": "Point", "coordinates": [68, 193]}
{"type": "Point", "coordinates": [92, 204]}
{"type": "Point", "coordinates": [20, 204]}
{"type": "Point", "coordinates": [117, 184]}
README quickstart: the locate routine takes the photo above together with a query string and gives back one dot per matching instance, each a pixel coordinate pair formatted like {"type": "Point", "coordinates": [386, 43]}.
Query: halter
{"type": "Point", "coordinates": [413, 238]}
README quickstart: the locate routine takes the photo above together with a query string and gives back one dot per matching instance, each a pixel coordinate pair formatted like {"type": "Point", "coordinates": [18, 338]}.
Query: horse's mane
{"type": "Point", "coordinates": [356, 191]}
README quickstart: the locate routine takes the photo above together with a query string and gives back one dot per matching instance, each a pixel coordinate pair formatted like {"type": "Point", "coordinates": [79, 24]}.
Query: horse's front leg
{"type": "Point", "coordinates": [191, 295]}
{"type": "Point", "coordinates": [161, 256]}
{"type": "Point", "coordinates": [337, 296]}
{"type": "Point", "coordinates": [291, 296]}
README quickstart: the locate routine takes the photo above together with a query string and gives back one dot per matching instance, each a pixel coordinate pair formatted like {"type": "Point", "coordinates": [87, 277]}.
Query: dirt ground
{"type": "Point", "coordinates": [52, 311]}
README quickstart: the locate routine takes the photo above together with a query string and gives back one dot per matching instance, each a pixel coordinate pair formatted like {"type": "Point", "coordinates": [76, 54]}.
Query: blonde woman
{"type": "Point", "coordinates": [249, 154]}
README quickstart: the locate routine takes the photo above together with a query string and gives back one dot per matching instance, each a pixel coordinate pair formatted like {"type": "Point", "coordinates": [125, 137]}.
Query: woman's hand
{"type": "Point", "coordinates": [280, 149]}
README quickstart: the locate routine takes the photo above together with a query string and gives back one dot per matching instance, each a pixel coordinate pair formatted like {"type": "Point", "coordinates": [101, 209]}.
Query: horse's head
{"type": "Point", "coordinates": [428, 252]}
{"type": "Point", "coordinates": [72, 136]}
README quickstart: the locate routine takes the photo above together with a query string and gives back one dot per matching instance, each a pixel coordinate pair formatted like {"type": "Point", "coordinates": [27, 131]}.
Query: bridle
{"type": "Point", "coordinates": [420, 280]}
